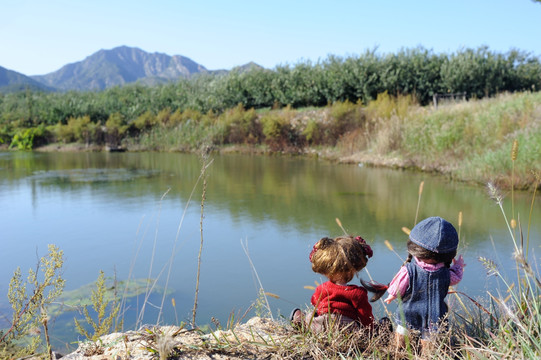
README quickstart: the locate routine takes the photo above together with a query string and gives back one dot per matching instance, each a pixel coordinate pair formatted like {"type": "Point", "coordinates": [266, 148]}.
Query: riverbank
{"type": "Point", "coordinates": [257, 338]}
{"type": "Point", "coordinates": [494, 140]}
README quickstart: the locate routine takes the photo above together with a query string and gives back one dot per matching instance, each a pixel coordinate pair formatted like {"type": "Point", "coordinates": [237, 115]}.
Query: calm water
{"type": "Point", "coordinates": [131, 214]}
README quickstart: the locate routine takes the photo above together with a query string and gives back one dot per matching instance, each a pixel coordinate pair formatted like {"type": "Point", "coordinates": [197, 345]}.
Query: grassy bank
{"type": "Point", "coordinates": [468, 141]}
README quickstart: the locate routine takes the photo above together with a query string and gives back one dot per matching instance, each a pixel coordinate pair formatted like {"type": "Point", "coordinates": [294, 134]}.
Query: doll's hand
{"type": "Point", "coordinates": [389, 299]}
{"type": "Point", "coordinates": [459, 262]}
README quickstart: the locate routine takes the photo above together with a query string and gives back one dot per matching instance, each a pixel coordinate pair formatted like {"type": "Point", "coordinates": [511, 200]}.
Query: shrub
{"type": "Point", "coordinates": [314, 132]}
{"type": "Point", "coordinates": [345, 117]}
{"type": "Point", "coordinates": [29, 300]}
{"type": "Point", "coordinates": [241, 126]}
{"type": "Point", "coordinates": [145, 121]}
{"type": "Point", "coordinates": [79, 129]}
{"type": "Point", "coordinates": [101, 303]}
{"type": "Point", "coordinates": [116, 128]}
{"type": "Point", "coordinates": [26, 139]}
{"type": "Point", "coordinates": [279, 132]}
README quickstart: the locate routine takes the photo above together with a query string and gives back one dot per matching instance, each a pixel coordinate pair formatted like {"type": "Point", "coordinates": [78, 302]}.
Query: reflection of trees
{"type": "Point", "coordinates": [302, 193]}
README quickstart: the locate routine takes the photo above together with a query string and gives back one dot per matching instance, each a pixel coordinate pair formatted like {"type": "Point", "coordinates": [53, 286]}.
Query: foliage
{"type": "Point", "coordinates": [344, 117]}
{"type": "Point", "coordinates": [278, 131]}
{"type": "Point", "coordinates": [26, 139]}
{"type": "Point", "coordinates": [116, 128]}
{"type": "Point", "coordinates": [369, 104]}
{"type": "Point", "coordinates": [515, 321]}
{"type": "Point", "coordinates": [29, 300]}
{"type": "Point", "coordinates": [79, 129]}
{"type": "Point", "coordinates": [416, 72]}
{"type": "Point", "coordinates": [104, 323]}
{"type": "Point", "coordinates": [240, 126]}
{"type": "Point", "coordinates": [145, 121]}
{"type": "Point", "coordinates": [474, 136]}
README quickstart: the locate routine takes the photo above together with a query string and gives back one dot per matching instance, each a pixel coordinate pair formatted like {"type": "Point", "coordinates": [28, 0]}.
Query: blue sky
{"type": "Point", "coordinates": [38, 37]}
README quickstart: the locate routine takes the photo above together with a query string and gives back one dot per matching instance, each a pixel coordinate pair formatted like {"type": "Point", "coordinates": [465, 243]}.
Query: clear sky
{"type": "Point", "coordinates": [40, 36]}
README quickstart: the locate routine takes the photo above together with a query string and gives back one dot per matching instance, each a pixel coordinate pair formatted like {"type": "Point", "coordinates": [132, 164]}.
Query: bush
{"type": "Point", "coordinates": [145, 121]}
{"type": "Point", "coordinates": [240, 126]}
{"type": "Point", "coordinates": [26, 139]}
{"type": "Point", "coordinates": [345, 117]}
{"type": "Point", "coordinates": [314, 132]}
{"type": "Point", "coordinates": [279, 132]}
{"type": "Point", "coordinates": [101, 303]}
{"type": "Point", "coordinates": [29, 300]}
{"type": "Point", "coordinates": [116, 128]}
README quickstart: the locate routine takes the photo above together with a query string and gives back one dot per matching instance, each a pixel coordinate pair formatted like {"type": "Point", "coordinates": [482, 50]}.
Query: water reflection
{"type": "Point", "coordinates": [139, 214]}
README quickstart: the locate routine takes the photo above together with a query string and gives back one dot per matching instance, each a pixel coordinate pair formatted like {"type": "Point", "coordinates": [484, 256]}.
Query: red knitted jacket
{"type": "Point", "coordinates": [349, 300]}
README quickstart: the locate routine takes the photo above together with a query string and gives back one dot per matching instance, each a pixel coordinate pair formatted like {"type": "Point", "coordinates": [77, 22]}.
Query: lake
{"type": "Point", "coordinates": [138, 216]}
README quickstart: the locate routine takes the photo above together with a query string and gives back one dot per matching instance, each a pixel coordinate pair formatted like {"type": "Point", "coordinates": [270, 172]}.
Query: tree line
{"type": "Point", "coordinates": [416, 72]}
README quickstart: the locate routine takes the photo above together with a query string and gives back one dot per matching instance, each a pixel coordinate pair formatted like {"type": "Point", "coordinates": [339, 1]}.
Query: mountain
{"type": "Point", "coordinates": [248, 67]}
{"type": "Point", "coordinates": [12, 81]}
{"type": "Point", "coordinates": [119, 66]}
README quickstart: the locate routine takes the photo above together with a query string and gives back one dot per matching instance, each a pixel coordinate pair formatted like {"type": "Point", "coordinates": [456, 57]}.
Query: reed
{"type": "Point", "coordinates": [262, 293]}
{"type": "Point", "coordinates": [203, 198]}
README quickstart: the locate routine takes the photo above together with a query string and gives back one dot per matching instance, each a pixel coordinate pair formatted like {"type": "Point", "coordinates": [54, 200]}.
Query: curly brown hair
{"type": "Point", "coordinates": [339, 259]}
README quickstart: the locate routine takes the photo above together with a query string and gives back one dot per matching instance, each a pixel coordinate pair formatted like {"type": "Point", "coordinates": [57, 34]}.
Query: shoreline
{"type": "Point", "coordinates": [362, 158]}
{"type": "Point", "coordinates": [479, 141]}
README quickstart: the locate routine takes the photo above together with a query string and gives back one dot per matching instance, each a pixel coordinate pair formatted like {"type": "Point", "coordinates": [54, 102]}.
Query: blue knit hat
{"type": "Point", "coordinates": [435, 234]}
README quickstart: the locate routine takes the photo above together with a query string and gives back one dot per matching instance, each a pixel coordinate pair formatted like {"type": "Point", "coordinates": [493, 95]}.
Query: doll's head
{"type": "Point", "coordinates": [434, 240]}
{"type": "Point", "coordinates": [339, 259]}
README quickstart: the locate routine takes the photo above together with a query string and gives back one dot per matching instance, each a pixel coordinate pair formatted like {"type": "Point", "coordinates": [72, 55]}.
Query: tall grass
{"type": "Point", "coordinates": [509, 327]}
{"type": "Point", "coordinates": [470, 141]}
{"type": "Point", "coordinates": [503, 325]}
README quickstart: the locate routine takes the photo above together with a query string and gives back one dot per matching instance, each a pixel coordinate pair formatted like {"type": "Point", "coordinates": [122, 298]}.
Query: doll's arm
{"type": "Point", "coordinates": [398, 285]}
{"type": "Point", "coordinates": [457, 270]}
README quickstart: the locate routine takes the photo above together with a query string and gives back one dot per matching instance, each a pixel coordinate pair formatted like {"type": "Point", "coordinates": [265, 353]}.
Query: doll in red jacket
{"type": "Point", "coordinates": [335, 301]}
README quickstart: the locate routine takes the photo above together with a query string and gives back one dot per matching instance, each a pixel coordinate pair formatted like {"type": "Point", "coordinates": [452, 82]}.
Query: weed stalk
{"type": "Point", "coordinates": [203, 197]}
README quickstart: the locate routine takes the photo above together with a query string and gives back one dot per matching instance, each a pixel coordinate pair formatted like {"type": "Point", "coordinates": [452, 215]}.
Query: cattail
{"type": "Point", "coordinates": [406, 230]}
{"type": "Point", "coordinates": [514, 150]}
{"type": "Point", "coordinates": [309, 287]}
{"type": "Point", "coordinates": [459, 218]}
{"type": "Point", "coordinates": [513, 224]}
{"type": "Point", "coordinates": [272, 295]}
{"type": "Point", "coordinates": [421, 185]}
{"type": "Point", "coordinates": [340, 225]}
{"type": "Point", "coordinates": [173, 302]}
{"type": "Point", "coordinates": [389, 246]}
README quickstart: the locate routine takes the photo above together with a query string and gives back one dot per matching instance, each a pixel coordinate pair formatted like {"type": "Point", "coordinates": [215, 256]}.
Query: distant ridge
{"type": "Point", "coordinates": [120, 66]}
{"type": "Point", "coordinates": [12, 81]}
{"type": "Point", "coordinates": [115, 67]}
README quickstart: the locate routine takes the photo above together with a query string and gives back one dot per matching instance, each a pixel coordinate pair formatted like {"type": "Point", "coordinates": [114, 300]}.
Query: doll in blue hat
{"type": "Point", "coordinates": [423, 281]}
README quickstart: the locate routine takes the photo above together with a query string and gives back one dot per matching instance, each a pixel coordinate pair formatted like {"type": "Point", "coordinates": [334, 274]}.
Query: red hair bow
{"type": "Point", "coordinates": [314, 249]}
{"type": "Point", "coordinates": [367, 249]}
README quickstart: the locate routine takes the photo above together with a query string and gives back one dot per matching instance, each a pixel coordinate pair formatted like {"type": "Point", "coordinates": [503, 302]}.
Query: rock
{"type": "Point", "coordinates": [147, 342]}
